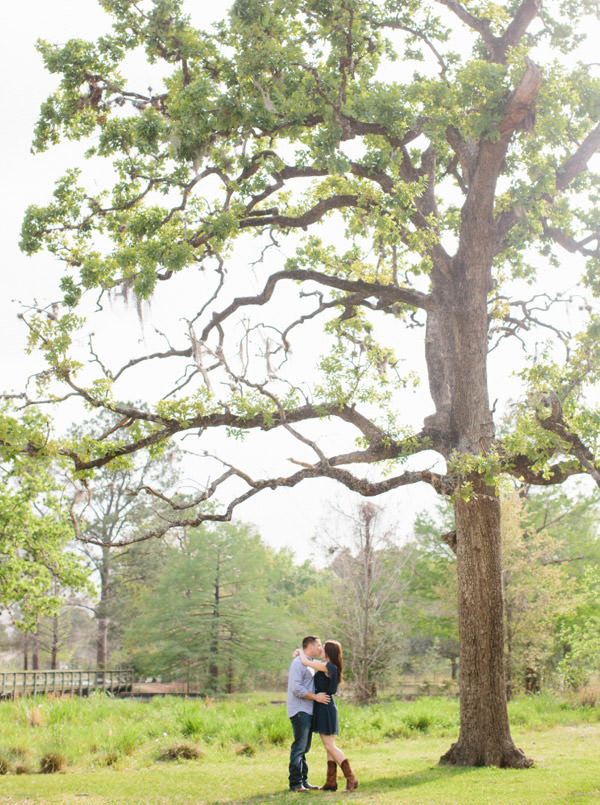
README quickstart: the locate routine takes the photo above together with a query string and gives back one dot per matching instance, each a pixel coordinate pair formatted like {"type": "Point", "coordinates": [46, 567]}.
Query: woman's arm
{"type": "Point", "coordinates": [318, 665]}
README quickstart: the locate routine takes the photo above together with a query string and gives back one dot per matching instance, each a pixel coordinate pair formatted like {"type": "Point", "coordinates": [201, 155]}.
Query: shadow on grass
{"type": "Point", "coordinates": [379, 785]}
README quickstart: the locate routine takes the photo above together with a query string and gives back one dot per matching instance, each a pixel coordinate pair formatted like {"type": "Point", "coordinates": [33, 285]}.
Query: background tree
{"type": "Point", "coordinates": [364, 587]}
{"type": "Point", "coordinates": [549, 539]}
{"type": "Point", "coordinates": [579, 632]}
{"type": "Point", "coordinates": [438, 179]}
{"type": "Point", "coordinates": [37, 565]}
{"type": "Point", "coordinates": [429, 606]}
{"type": "Point", "coordinates": [537, 591]}
{"type": "Point", "coordinates": [114, 515]}
{"type": "Point", "coordinates": [208, 618]}
{"type": "Point", "coordinates": [136, 570]}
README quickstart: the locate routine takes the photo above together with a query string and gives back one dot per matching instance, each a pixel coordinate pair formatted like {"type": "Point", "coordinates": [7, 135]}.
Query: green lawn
{"type": "Point", "coordinates": [567, 769]}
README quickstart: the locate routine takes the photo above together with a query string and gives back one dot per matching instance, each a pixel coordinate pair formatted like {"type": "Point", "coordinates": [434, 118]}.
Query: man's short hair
{"type": "Point", "coordinates": [308, 640]}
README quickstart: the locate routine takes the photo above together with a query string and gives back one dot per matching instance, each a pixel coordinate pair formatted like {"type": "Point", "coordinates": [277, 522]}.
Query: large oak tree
{"type": "Point", "coordinates": [369, 164]}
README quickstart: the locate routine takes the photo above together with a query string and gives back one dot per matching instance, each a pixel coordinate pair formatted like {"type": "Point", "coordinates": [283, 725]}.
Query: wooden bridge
{"type": "Point", "coordinates": [79, 683]}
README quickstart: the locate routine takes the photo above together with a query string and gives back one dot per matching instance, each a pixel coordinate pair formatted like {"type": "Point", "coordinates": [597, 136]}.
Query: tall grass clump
{"type": "Point", "coordinates": [53, 761]}
{"type": "Point", "coordinates": [123, 740]}
{"type": "Point", "coordinates": [63, 710]}
{"type": "Point", "coordinates": [191, 723]}
{"type": "Point", "coordinates": [180, 751]}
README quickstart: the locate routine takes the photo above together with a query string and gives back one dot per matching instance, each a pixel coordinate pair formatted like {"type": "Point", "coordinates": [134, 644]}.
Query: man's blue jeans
{"type": "Point", "coordinates": [302, 726]}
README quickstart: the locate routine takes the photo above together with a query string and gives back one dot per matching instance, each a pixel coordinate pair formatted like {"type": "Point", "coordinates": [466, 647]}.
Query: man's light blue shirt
{"type": "Point", "coordinates": [300, 682]}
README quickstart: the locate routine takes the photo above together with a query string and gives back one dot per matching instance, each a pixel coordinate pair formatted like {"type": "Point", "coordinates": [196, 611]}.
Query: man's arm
{"type": "Point", "coordinates": [300, 689]}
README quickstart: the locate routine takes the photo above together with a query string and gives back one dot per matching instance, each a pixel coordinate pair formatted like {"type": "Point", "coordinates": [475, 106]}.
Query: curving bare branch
{"type": "Point", "coordinates": [387, 295]}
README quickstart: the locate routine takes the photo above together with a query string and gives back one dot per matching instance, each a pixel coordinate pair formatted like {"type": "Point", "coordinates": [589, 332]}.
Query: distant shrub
{"type": "Point", "coordinates": [4, 764]}
{"type": "Point", "coordinates": [418, 722]}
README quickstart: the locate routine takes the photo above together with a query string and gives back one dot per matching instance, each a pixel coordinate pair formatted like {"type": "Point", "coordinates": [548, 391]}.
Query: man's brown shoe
{"type": "Point", "coordinates": [311, 787]}
{"type": "Point", "coordinates": [299, 789]}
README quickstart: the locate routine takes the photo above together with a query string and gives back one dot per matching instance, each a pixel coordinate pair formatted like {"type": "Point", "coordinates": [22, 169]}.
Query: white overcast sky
{"type": "Point", "coordinates": [286, 517]}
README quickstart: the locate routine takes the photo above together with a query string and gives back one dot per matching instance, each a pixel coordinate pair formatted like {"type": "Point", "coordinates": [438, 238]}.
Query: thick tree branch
{"type": "Point", "coordinates": [478, 208]}
{"type": "Point", "coordinates": [517, 28]}
{"type": "Point", "coordinates": [569, 243]}
{"type": "Point", "coordinates": [166, 428]}
{"type": "Point", "coordinates": [556, 424]}
{"type": "Point", "coordinates": [573, 167]}
{"type": "Point", "coordinates": [521, 466]}
{"type": "Point", "coordinates": [311, 216]}
{"type": "Point", "coordinates": [465, 150]}
{"type": "Point", "coordinates": [360, 485]}
{"type": "Point", "coordinates": [521, 100]}
{"type": "Point", "coordinates": [498, 47]}
{"type": "Point", "coordinates": [387, 295]}
{"type": "Point", "coordinates": [482, 27]}
{"type": "Point", "coordinates": [577, 163]}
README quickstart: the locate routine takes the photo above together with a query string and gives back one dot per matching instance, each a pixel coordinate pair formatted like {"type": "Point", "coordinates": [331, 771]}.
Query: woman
{"type": "Point", "coordinates": [325, 717]}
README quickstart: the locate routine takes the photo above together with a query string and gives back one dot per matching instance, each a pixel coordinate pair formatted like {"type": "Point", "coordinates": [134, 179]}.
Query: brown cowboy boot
{"type": "Point", "coordinates": [351, 781]}
{"type": "Point", "coordinates": [331, 781]}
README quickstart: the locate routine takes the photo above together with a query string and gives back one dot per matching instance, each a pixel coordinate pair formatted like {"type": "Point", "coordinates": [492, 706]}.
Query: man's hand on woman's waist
{"type": "Point", "coordinates": [322, 698]}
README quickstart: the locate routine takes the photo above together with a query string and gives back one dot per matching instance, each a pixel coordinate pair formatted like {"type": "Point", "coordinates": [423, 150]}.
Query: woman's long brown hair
{"type": "Point", "coordinates": [334, 651]}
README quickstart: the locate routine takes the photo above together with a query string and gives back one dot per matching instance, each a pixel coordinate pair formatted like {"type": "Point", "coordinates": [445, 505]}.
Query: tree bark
{"type": "Point", "coordinates": [55, 642]}
{"type": "Point", "coordinates": [484, 737]}
{"type": "Point", "coordinates": [35, 647]}
{"type": "Point", "coordinates": [102, 620]}
{"type": "Point", "coordinates": [213, 665]}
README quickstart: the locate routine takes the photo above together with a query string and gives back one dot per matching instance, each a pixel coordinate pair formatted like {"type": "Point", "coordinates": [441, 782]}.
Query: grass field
{"type": "Point", "coordinates": [112, 752]}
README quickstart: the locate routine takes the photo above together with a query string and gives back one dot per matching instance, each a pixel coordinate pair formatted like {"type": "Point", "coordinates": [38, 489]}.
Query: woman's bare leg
{"type": "Point", "coordinates": [333, 753]}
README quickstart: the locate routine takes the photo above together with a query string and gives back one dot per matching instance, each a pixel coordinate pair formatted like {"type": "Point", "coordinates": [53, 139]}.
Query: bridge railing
{"type": "Point", "coordinates": [78, 682]}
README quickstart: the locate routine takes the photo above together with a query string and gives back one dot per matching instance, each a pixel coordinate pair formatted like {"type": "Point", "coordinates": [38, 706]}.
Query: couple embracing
{"type": "Point", "coordinates": [314, 675]}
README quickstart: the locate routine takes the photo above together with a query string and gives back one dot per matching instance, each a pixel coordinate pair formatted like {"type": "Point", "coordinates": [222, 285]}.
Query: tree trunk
{"type": "Point", "coordinates": [102, 643]}
{"type": "Point", "coordinates": [453, 668]}
{"type": "Point", "coordinates": [230, 676]}
{"type": "Point", "coordinates": [54, 648]}
{"type": "Point", "coordinates": [35, 648]}
{"type": "Point", "coordinates": [213, 665]}
{"type": "Point", "coordinates": [484, 737]}
{"type": "Point", "coordinates": [26, 651]}
{"type": "Point", "coordinates": [102, 620]}
{"type": "Point", "coordinates": [460, 329]}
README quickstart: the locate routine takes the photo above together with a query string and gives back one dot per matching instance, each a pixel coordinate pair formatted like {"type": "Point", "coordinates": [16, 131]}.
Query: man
{"type": "Point", "coordinates": [300, 698]}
